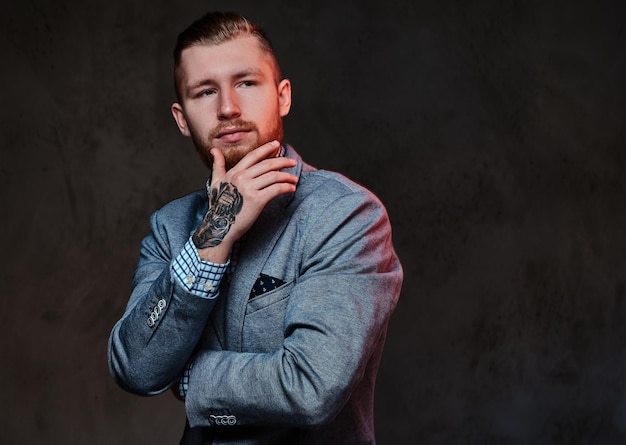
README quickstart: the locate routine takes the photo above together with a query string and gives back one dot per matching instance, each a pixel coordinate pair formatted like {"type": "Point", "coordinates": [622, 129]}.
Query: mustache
{"type": "Point", "coordinates": [239, 123]}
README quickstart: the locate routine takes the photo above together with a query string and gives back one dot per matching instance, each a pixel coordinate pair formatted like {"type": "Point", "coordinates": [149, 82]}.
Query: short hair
{"type": "Point", "coordinates": [215, 28]}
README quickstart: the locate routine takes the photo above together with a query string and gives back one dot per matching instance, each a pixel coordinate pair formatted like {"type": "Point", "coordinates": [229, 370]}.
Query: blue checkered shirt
{"type": "Point", "coordinates": [201, 278]}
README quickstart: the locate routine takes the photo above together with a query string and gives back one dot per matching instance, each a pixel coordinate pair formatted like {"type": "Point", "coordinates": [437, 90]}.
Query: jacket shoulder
{"type": "Point", "coordinates": [328, 186]}
{"type": "Point", "coordinates": [174, 222]}
{"type": "Point", "coordinates": [185, 208]}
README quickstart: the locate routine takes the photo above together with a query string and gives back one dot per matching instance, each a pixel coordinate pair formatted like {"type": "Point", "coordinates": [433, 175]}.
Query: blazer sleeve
{"type": "Point", "coordinates": [151, 343]}
{"type": "Point", "coordinates": [338, 311]}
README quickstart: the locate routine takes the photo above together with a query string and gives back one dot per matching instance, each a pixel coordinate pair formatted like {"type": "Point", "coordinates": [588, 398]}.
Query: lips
{"type": "Point", "coordinates": [232, 134]}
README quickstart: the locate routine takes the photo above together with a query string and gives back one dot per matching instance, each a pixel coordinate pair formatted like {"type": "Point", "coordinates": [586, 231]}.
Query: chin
{"type": "Point", "coordinates": [232, 155]}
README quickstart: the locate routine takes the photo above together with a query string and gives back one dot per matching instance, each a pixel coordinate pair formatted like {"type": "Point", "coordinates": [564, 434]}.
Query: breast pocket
{"type": "Point", "coordinates": [263, 328]}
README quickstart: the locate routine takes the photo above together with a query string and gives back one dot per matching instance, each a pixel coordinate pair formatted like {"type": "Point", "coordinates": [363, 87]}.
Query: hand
{"type": "Point", "coordinates": [238, 196]}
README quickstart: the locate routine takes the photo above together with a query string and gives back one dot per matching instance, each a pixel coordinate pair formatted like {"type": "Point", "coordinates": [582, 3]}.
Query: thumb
{"type": "Point", "coordinates": [219, 165]}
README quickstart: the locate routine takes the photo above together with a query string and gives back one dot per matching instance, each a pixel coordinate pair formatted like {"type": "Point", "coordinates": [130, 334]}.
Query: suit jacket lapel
{"type": "Point", "coordinates": [258, 244]}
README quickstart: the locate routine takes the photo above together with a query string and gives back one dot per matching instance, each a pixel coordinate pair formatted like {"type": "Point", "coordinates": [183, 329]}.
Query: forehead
{"type": "Point", "coordinates": [225, 59]}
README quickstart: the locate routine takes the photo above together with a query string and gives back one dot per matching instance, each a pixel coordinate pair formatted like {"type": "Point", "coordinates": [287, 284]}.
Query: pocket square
{"type": "Point", "coordinates": [264, 284]}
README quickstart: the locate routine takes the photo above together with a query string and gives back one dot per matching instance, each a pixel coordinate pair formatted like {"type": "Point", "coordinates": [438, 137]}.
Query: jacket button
{"type": "Point", "coordinates": [223, 420]}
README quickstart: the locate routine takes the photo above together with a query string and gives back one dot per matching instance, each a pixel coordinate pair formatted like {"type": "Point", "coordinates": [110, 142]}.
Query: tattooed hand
{"type": "Point", "coordinates": [225, 203]}
{"type": "Point", "coordinates": [238, 196]}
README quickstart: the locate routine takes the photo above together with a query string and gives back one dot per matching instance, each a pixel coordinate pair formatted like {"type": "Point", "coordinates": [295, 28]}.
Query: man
{"type": "Point", "coordinates": [263, 301]}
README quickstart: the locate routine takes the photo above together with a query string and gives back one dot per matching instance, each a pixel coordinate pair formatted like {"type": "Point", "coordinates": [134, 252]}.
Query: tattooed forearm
{"type": "Point", "coordinates": [225, 203]}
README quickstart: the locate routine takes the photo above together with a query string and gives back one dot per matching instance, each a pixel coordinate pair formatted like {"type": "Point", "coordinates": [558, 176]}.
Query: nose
{"type": "Point", "coordinates": [228, 105]}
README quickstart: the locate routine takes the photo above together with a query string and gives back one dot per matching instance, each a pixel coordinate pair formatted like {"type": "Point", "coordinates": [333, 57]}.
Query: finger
{"type": "Point", "coordinates": [266, 166]}
{"type": "Point", "coordinates": [219, 165]}
{"type": "Point", "coordinates": [261, 197]}
{"type": "Point", "coordinates": [280, 188]}
{"type": "Point", "coordinates": [265, 151]}
{"type": "Point", "coordinates": [266, 180]}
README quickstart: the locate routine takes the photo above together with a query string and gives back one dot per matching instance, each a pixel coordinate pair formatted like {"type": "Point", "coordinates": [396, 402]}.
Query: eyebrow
{"type": "Point", "coordinates": [237, 76]}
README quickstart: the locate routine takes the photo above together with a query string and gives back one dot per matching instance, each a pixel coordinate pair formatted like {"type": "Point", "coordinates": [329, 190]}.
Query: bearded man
{"type": "Point", "coordinates": [263, 300]}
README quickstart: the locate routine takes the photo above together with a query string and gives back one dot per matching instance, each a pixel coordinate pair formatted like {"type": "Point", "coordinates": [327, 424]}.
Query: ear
{"type": "Point", "coordinates": [179, 117]}
{"type": "Point", "coordinates": [284, 97]}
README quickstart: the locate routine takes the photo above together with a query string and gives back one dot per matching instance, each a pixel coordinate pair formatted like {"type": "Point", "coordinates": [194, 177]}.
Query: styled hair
{"type": "Point", "coordinates": [219, 27]}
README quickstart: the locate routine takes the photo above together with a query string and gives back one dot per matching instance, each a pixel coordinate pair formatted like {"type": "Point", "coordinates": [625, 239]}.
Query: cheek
{"type": "Point", "coordinates": [263, 104]}
{"type": "Point", "coordinates": [200, 121]}
{"type": "Point", "coordinates": [268, 114]}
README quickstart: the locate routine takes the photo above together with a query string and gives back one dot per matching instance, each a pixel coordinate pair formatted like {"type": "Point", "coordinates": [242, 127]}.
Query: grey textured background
{"type": "Point", "coordinates": [493, 131]}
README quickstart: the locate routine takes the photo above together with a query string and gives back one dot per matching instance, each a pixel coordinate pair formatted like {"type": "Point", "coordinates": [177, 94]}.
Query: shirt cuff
{"type": "Point", "coordinates": [183, 383]}
{"type": "Point", "coordinates": [201, 278]}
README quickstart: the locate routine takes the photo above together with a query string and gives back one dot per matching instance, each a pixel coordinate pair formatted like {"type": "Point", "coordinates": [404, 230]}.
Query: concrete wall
{"type": "Point", "coordinates": [494, 133]}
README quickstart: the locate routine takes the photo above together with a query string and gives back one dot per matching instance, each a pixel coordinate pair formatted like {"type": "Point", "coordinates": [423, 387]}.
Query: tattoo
{"type": "Point", "coordinates": [225, 203]}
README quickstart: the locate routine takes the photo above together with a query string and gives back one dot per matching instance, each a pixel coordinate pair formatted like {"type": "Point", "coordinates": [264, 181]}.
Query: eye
{"type": "Point", "coordinates": [209, 92]}
{"type": "Point", "coordinates": [247, 83]}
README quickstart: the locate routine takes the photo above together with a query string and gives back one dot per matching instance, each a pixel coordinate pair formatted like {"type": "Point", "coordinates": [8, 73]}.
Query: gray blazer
{"type": "Point", "coordinates": [293, 365]}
